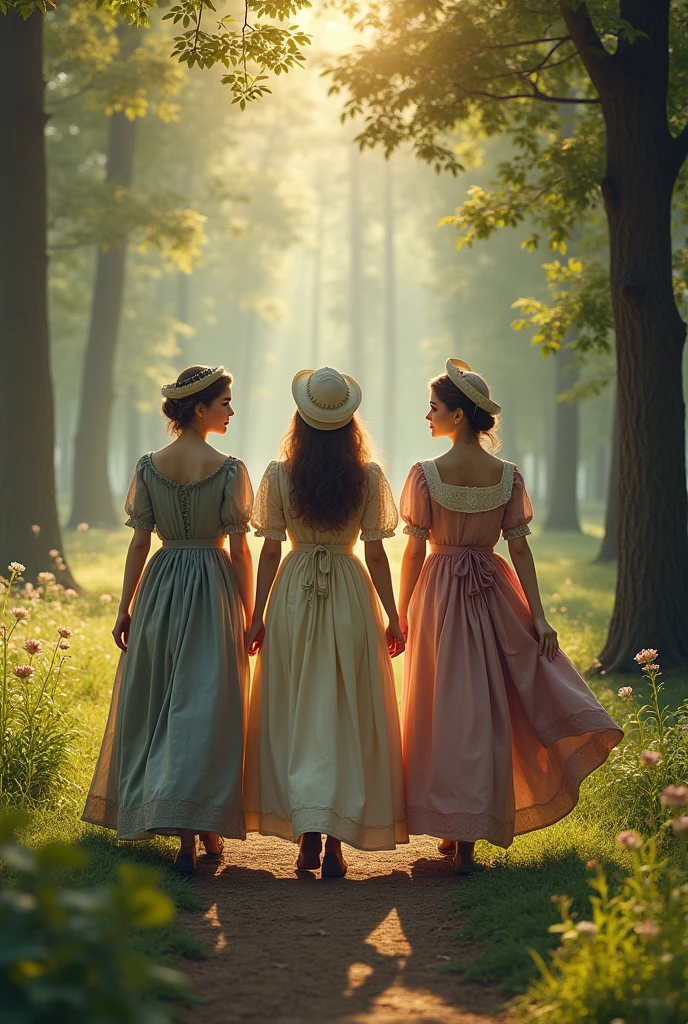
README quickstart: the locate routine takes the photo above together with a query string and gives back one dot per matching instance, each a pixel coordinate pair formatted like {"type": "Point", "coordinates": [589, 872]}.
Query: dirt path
{"type": "Point", "coordinates": [371, 948]}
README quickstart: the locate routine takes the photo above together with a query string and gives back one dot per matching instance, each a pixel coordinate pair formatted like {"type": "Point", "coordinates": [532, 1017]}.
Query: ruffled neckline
{"type": "Point", "coordinates": [194, 483]}
{"type": "Point", "coordinates": [465, 497]}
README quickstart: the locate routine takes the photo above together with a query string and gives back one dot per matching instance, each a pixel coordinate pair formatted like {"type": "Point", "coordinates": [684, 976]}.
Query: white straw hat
{"type": "Point", "coordinates": [199, 382]}
{"type": "Point", "coordinates": [472, 385]}
{"type": "Point", "coordinates": [326, 399]}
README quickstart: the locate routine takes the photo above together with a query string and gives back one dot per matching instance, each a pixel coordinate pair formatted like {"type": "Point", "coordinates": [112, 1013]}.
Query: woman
{"type": "Point", "coordinates": [323, 752]}
{"type": "Point", "coordinates": [172, 756]}
{"type": "Point", "coordinates": [499, 729]}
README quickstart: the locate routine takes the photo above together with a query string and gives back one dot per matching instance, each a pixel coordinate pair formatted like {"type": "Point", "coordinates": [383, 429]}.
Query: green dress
{"type": "Point", "coordinates": [172, 755]}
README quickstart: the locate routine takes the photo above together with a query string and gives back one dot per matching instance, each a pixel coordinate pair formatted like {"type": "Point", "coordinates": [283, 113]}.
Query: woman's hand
{"type": "Point", "coordinates": [403, 626]}
{"type": "Point", "coordinates": [395, 639]}
{"type": "Point", "coordinates": [549, 644]}
{"type": "Point", "coordinates": [121, 630]}
{"type": "Point", "coordinates": [255, 636]}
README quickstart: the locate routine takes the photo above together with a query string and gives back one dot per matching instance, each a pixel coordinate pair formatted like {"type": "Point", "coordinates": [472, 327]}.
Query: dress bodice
{"type": "Point", "coordinates": [272, 516]}
{"type": "Point", "coordinates": [453, 515]}
{"type": "Point", "coordinates": [209, 508]}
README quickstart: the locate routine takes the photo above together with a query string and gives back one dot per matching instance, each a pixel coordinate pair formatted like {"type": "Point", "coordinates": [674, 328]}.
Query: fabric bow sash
{"type": "Point", "coordinates": [475, 567]}
{"type": "Point", "coordinates": [316, 577]}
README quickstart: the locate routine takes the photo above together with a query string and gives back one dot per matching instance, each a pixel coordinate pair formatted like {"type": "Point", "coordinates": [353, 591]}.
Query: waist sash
{"type": "Point", "coordinates": [472, 563]}
{"type": "Point", "coordinates": [315, 574]}
{"type": "Point", "coordinates": [193, 545]}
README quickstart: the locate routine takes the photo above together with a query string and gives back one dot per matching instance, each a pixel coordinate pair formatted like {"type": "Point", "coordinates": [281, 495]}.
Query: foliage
{"type": "Point", "coordinates": [653, 755]}
{"type": "Point", "coordinates": [630, 962]}
{"type": "Point", "coordinates": [251, 47]}
{"type": "Point", "coordinates": [66, 953]}
{"type": "Point", "coordinates": [36, 729]}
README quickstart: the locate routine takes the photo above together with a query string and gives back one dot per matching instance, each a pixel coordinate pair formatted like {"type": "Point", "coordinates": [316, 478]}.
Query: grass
{"type": "Point", "coordinates": [505, 910]}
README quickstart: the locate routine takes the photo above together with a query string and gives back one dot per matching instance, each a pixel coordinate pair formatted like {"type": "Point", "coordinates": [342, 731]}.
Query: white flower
{"type": "Point", "coordinates": [647, 929]}
{"type": "Point", "coordinates": [105, 598]}
{"type": "Point", "coordinates": [587, 928]}
{"type": "Point", "coordinates": [16, 567]}
{"type": "Point", "coordinates": [626, 692]}
{"type": "Point", "coordinates": [54, 553]}
{"type": "Point", "coordinates": [35, 529]}
{"type": "Point", "coordinates": [82, 527]}
{"type": "Point", "coordinates": [646, 656]}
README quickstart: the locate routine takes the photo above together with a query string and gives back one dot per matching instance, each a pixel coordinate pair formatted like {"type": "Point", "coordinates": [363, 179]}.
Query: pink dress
{"type": "Point", "coordinates": [496, 739]}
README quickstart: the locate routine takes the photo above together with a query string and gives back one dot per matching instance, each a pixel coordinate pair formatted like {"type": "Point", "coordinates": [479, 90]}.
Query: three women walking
{"type": "Point", "coordinates": [499, 729]}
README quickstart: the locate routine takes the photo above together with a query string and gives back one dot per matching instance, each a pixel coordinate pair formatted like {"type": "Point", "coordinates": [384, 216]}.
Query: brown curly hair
{"type": "Point", "coordinates": [180, 411]}
{"type": "Point", "coordinates": [328, 472]}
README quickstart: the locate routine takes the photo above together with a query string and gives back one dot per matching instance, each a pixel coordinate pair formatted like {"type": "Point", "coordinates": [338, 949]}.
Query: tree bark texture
{"type": "Point", "coordinates": [609, 549]}
{"type": "Point", "coordinates": [92, 494]}
{"type": "Point", "coordinates": [27, 438]}
{"type": "Point", "coordinates": [643, 160]}
{"type": "Point", "coordinates": [563, 477]}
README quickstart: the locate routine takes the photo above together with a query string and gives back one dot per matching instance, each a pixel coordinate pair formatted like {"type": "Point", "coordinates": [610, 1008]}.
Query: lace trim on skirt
{"type": "Point", "coordinates": [165, 816]}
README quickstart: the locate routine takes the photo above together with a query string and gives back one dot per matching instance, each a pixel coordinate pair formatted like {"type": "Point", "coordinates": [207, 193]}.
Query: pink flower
{"type": "Point", "coordinates": [647, 929]}
{"type": "Point", "coordinates": [630, 840]}
{"type": "Point", "coordinates": [64, 632]}
{"type": "Point", "coordinates": [646, 656]}
{"type": "Point", "coordinates": [60, 563]}
{"type": "Point", "coordinates": [626, 692]}
{"type": "Point", "coordinates": [652, 669]}
{"type": "Point", "coordinates": [33, 646]}
{"type": "Point", "coordinates": [35, 530]}
{"type": "Point", "coordinates": [82, 527]}
{"type": "Point", "coordinates": [675, 796]}
{"type": "Point", "coordinates": [680, 825]}
{"type": "Point", "coordinates": [70, 593]}
{"type": "Point", "coordinates": [649, 757]}
{"type": "Point", "coordinates": [23, 671]}
{"type": "Point", "coordinates": [54, 553]}
{"type": "Point", "coordinates": [16, 567]}
{"type": "Point", "coordinates": [64, 645]}
{"type": "Point", "coordinates": [46, 577]}
{"type": "Point", "coordinates": [20, 614]}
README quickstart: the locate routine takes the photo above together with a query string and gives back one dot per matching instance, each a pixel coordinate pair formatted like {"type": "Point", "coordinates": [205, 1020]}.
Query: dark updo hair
{"type": "Point", "coordinates": [180, 411]}
{"type": "Point", "coordinates": [482, 424]}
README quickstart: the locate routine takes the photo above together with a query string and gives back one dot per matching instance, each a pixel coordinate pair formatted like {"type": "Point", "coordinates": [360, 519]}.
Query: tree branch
{"type": "Point", "coordinates": [535, 94]}
{"type": "Point", "coordinates": [587, 41]}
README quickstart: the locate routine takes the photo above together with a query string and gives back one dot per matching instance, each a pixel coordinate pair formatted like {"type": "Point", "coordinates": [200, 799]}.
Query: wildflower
{"type": "Point", "coordinates": [61, 564]}
{"type": "Point", "coordinates": [630, 840]}
{"type": "Point", "coordinates": [105, 598]}
{"type": "Point", "coordinates": [652, 669]}
{"type": "Point", "coordinates": [64, 632]}
{"type": "Point", "coordinates": [54, 553]}
{"type": "Point", "coordinates": [20, 614]}
{"type": "Point", "coordinates": [649, 757]}
{"type": "Point", "coordinates": [69, 592]}
{"type": "Point", "coordinates": [646, 656]}
{"type": "Point", "coordinates": [23, 671]}
{"type": "Point", "coordinates": [568, 583]}
{"type": "Point", "coordinates": [28, 587]}
{"type": "Point", "coordinates": [626, 692]}
{"type": "Point", "coordinates": [591, 864]}
{"type": "Point", "coordinates": [647, 929]}
{"type": "Point", "coordinates": [675, 796]}
{"type": "Point", "coordinates": [556, 597]}
{"type": "Point", "coordinates": [64, 645]}
{"type": "Point", "coordinates": [563, 609]}
{"type": "Point", "coordinates": [46, 577]}
{"type": "Point", "coordinates": [680, 825]}
{"type": "Point", "coordinates": [35, 529]}
{"type": "Point", "coordinates": [33, 646]}
{"type": "Point", "coordinates": [82, 527]}
{"type": "Point", "coordinates": [16, 567]}
{"type": "Point", "coordinates": [587, 928]}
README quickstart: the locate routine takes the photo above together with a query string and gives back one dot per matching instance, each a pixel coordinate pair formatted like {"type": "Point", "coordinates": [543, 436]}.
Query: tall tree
{"type": "Point", "coordinates": [508, 67]}
{"type": "Point", "coordinates": [562, 513]}
{"type": "Point", "coordinates": [28, 441]}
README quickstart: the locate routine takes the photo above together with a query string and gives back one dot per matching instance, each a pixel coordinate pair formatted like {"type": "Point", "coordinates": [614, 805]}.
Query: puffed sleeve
{"type": "Point", "coordinates": [268, 514]}
{"type": "Point", "coordinates": [380, 516]}
{"type": "Point", "coordinates": [415, 507]}
{"type": "Point", "coordinates": [518, 511]}
{"type": "Point", "coordinates": [138, 506]}
{"type": "Point", "coordinates": [237, 503]}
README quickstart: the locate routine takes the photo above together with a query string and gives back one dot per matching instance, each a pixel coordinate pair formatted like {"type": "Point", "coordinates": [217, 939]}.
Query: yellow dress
{"type": "Point", "coordinates": [323, 746]}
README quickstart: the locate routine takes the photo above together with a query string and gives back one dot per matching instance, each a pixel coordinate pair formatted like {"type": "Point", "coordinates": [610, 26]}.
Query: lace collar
{"type": "Point", "coordinates": [458, 498]}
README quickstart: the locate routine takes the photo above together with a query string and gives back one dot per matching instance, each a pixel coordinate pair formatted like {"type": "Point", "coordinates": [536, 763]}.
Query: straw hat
{"type": "Point", "coordinates": [472, 385]}
{"type": "Point", "coordinates": [326, 399]}
{"type": "Point", "coordinates": [199, 382]}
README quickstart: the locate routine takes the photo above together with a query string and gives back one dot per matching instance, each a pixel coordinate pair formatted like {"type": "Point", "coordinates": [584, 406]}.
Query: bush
{"type": "Point", "coordinates": [35, 729]}
{"type": "Point", "coordinates": [66, 954]}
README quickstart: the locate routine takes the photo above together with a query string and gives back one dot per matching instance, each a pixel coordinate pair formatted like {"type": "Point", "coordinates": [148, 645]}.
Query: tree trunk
{"type": "Point", "coordinates": [563, 500]}
{"type": "Point", "coordinates": [651, 607]}
{"type": "Point", "coordinates": [133, 442]}
{"type": "Point", "coordinates": [27, 448]}
{"type": "Point", "coordinates": [391, 353]}
{"type": "Point", "coordinates": [92, 494]}
{"type": "Point", "coordinates": [356, 348]}
{"type": "Point", "coordinates": [609, 549]}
